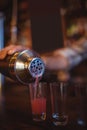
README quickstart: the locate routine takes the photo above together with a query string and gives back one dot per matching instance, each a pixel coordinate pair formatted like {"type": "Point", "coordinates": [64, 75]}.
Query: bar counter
{"type": "Point", "coordinates": [15, 110]}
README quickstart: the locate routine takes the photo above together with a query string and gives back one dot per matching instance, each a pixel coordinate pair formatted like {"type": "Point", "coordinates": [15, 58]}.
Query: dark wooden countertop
{"type": "Point", "coordinates": [15, 110]}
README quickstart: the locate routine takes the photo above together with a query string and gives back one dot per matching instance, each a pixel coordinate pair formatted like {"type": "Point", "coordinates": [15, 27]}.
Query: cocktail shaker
{"type": "Point", "coordinates": [24, 66]}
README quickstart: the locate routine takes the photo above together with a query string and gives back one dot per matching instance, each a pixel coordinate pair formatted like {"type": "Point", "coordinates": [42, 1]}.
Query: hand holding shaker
{"type": "Point", "coordinates": [27, 67]}
{"type": "Point", "coordinates": [24, 66]}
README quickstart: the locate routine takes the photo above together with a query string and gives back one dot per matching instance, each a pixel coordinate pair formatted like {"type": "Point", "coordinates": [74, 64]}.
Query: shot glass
{"type": "Point", "coordinates": [38, 101]}
{"type": "Point", "coordinates": [81, 103]}
{"type": "Point", "coordinates": [58, 92]}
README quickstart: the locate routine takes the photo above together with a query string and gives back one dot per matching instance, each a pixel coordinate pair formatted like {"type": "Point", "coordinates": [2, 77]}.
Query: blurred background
{"type": "Point", "coordinates": [43, 26]}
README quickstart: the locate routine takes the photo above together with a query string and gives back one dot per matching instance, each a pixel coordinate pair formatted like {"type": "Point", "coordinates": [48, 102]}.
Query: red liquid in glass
{"type": "Point", "coordinates": [39, 105]}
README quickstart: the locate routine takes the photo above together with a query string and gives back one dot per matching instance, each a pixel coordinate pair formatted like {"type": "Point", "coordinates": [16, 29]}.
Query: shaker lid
{"type": "Point", "coordinates": [36, 67]}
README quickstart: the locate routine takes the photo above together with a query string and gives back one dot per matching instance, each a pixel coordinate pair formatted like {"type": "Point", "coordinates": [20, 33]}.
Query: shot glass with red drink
{"type": "Point", "coordinates": [38, 101]}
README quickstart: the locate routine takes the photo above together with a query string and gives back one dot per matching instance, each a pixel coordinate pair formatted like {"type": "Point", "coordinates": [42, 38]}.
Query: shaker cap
{"type": "Point", "coordinates": [36, 67]}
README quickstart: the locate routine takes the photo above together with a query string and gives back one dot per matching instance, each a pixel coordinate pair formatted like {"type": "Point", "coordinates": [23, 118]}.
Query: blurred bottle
{"type": "Point", "coordinates": [24, 66]}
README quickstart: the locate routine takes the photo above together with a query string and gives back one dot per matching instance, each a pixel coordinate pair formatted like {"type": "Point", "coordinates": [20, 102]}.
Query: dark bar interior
{"type": "Point", "coordinates": [55, 29]}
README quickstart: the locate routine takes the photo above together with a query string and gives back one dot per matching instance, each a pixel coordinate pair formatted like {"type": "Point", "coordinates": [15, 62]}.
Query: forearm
{"type": "Point", "coordinates": [67, 58]}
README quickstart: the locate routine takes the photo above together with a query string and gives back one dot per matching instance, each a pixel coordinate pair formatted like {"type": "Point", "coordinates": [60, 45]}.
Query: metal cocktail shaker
{"type": "Point", "coordinates": [24, 66]}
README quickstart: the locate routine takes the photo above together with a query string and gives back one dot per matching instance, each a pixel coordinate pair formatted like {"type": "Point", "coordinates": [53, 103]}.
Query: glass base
{"type": "Point", "coordinates": [81, 122]}
{"type": "Point", "coordinates": [59, 120]}
{"type": "Point", "coordinates": [39, 117]}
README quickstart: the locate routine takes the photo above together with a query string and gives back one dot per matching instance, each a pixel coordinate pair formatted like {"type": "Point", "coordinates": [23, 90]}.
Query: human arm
{"type": "Point", "coordinates": [9, 50]}
{"type": "Point", "coordinates": [64, 58]}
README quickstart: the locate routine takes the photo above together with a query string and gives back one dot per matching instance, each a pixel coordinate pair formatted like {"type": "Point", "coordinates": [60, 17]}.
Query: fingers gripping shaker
{"type": "Point", "coordinates": [24, 66]}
